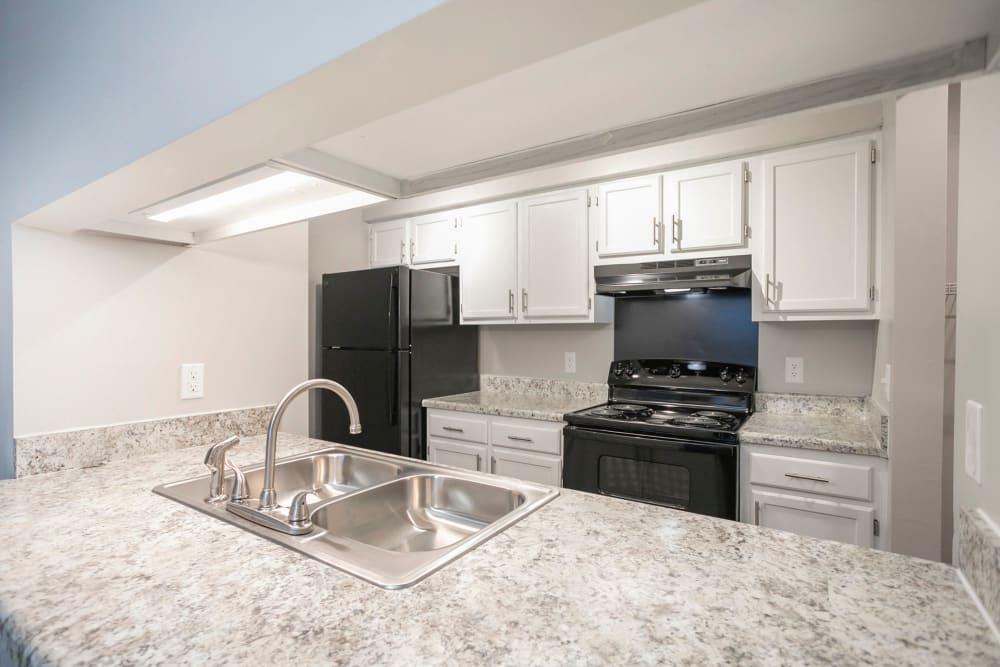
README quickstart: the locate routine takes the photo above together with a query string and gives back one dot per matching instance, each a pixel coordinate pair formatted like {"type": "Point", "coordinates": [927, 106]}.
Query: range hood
{"type": "Point", "coordinates": [669, 277]}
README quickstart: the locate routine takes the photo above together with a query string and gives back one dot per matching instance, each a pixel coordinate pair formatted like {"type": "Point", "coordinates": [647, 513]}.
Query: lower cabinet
{"type": "Point", "coordinates": [527, 449]}
{"type": "Point", "coordinates": [832, 496]}
{"type": "Point", "coordinates": [815, 517]}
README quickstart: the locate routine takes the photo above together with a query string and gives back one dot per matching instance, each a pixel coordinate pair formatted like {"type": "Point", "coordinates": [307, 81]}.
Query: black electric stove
{"type": "Point", "coordinates": [667, 435]}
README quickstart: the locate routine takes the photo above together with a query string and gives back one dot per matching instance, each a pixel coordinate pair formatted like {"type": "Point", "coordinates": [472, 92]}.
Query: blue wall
{"type": "Point", "coordinates": [87, 87]}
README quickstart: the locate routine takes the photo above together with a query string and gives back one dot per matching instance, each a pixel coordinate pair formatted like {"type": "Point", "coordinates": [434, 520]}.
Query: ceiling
{"type": "Point", "coordinates": [706, 53]}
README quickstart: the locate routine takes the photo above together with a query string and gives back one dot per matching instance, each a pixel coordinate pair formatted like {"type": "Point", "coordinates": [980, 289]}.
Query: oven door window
{"type": "Point", "coordinates": [660, 483]}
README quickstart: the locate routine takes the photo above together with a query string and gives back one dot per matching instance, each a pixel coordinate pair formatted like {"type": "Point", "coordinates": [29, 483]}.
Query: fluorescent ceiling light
{"type": "Point", "coordinates": [348, 200]}
{"type": "Point", "coordinates": [676, 290]}
{"type": "Point", "coordinates": [272, 185]}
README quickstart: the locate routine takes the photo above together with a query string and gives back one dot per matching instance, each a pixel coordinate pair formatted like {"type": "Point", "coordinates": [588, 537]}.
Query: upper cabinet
{"type": "Point", "coordinates": [488, 262]}
{"type": "Point", "coordinates": [388, 243]}
{"type": "Point", "coordinates": [628, 217]}
{"type": "Point", "coordinates": [553, 260]}
{"type": "Point", "coordinates": [425, 240]}
{"type": "Point", "coordinates": [703, 207]}
{"type": "Point", "coordinates": [814, 227]}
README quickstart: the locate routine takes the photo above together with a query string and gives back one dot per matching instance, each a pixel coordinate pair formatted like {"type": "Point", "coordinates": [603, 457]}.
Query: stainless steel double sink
{"type": "Point", "coordinates": [386, 519]}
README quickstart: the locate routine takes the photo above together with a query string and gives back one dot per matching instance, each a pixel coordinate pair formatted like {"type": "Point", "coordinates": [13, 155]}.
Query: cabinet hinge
{"type": "Point", "coordinates": [456, 248]}
{"type": "Point", "coordinates": [871, 293]}
{"type": "Point", "coordinates": [747, 176]}
{"type": "Point", "coordinates": [876, 528]}
{"type": "Point", "coordinates": [597, 246]}
{"type": "Point", "coordinates": [874, 154]}
{"type": "Point", "coordinates": [590, 303]}
{"type": "Point", "coordinates": [456, 223]}
{"type": "Point", "coordinates": [588, 200]}
{"type": "Point", "coordinates": [746, 231]}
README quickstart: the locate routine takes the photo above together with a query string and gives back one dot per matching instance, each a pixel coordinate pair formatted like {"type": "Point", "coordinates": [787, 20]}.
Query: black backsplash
{"type": "Point", "coordinates": [712, 327]}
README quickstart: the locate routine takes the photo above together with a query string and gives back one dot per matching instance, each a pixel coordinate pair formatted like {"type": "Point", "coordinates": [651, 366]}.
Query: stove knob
{"type": "Point", "coordinates": [618, 369]}
{"type": "Point", "coordinates": [725, 374]}
{"type": "Point", "coordinates": [675, 371]}
{"type": "Point", "coordinates": [741, 377]}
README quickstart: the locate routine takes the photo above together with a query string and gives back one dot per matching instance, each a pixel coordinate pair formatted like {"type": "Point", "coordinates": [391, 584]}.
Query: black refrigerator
{"type": "Point", "coordinates": [392, 337]}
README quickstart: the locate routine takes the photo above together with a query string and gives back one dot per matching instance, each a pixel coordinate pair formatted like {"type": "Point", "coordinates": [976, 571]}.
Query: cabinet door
{"type": "Point", "coordinates": [554, 262]}
{"type": "Point", "coordinates": [814, 517]}
{"type": "Point", "coordinates": [703, 207]}
{"type": "Point", "coordinates": [456, 454]}
{"type": "Point", "coordinates": [388, 243]}
{"type": "Point", "coordinates": [433, 238]}
{"type": "Point", "coordinates": [817, 228]}
{"type": "Point", "coordinates": [488, 259]}
{"type": "Point", "coordinates": [628, 214]}
{"type": "Point", "coordinates": [527, 466]}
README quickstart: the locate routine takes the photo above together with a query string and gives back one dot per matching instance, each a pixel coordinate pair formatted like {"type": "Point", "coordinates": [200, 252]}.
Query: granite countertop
{"type": "Point", "coordinates": [510, 404]}
{"type": "Point", "coordinates": [99, 570]}
{"type": "Point", "coordinates": [832, 434]}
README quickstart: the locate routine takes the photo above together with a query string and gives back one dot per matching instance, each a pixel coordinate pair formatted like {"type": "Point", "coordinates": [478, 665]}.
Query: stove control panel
{"type": "Point", "coordinates": [682, 373]}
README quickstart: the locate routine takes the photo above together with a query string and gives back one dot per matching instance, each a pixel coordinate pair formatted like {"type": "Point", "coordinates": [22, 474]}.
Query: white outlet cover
{"type": "Point", "coordinates": [570, 365]}
{"type": "Point", "coordinates": [192, 381]}
{"type": "Point", "coordinates": [795, 372]}
{"type": "Point", "coordinates": [973, 440]}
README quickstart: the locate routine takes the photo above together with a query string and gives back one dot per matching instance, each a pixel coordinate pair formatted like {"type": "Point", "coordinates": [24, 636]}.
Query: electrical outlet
{"type": "Point", "coordinates": [973, 440]}
{"type": "Point", "coordinates": [795, 370]}
{"type": "Point", "coordinates": [570, 365]}
{"type": "Point", "coordinates": [192, 381]}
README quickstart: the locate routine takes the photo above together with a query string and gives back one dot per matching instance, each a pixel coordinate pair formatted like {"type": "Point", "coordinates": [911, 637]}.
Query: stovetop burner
{"type": "Point", "coordinates": [622, 411]}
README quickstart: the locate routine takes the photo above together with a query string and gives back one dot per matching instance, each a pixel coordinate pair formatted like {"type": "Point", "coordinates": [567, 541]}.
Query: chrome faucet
{"type": "Point", "coordinates": [268, 495]}
{"type": "Point", "coordinates": [217, 461]}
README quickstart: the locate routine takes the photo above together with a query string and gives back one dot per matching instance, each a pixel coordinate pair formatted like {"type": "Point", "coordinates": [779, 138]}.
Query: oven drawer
{"type": "Point", "coordinates": [532, 436]}
{"type": "Point", "coordinates": [800, 474]}
{"type": "Point", "coordinates": [457, 426]}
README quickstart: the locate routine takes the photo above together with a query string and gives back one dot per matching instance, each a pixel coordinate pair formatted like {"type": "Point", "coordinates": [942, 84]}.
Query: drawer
{"type": "Point", "coordinates": [459, 426]}
{"type": "Point", "coordinates": [530, 435]}
{"type": "Point", "coordinates": [825, 477]}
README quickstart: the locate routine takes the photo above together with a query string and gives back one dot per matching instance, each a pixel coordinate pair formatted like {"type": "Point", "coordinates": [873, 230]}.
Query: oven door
{"type": "Point", "coordinates": [694, 476]}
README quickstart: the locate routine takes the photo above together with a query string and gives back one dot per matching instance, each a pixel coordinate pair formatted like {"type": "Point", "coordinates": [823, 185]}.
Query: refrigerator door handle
{"type": "Point", "coordinates": [392, 391]}
{"type": "Point", "coordinates": [388, 315]}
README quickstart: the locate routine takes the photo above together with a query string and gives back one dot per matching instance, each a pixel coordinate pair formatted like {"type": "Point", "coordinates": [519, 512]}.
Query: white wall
{"type": "Point", "coordinates": [102, 325]}
{"type": "Point", "coordinates": [537, 350]}
{"type": "Point", "coordinates": [6, 358]}
{"type": "Point", "coordinates": [838, 357]}
{"type": "Point", "coordinates": [977, 360]}
{"type": "Point", "coordinates": [337, 242]}
{"type": "Point", "coordinates": [917, 414]}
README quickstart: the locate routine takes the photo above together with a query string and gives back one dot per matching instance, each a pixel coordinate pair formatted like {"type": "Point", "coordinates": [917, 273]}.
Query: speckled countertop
{"type": "Point", "coordinates": [507, 404]}
{"type": "Point", "coordinates": [827, 423]}
{"type": "Point", "coordinates": [99, 570]}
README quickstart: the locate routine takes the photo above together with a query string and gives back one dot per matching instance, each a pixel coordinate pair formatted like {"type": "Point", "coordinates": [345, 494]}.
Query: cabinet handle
{"type": "Point", "coordinates": [519, 438]}
{"type": "Point", "coordinates": [479, 462]}
{"type": "Point", "coordinates": [493, 464]}
{"type": "Point", "coordinates": [402, 252]}
{"type": "Point", "coordinates": [656, 233]}
{"type": "Point", "coordinates": [510, 300]}
{"type": "Point", "coordinates": [524, 300]}
{"type": "Point", "coordinates": [677, 231]}
{"type": "Point", "coordinates": [768, 284]}
{"type": "Point", "coordinates": [411, 251]}
{"type": "Point", "coordinates": [795, 475]}
{"type": "Point", "coordinates": [756, 512]}
{"type": "Point", "coordinates": [453, 429]}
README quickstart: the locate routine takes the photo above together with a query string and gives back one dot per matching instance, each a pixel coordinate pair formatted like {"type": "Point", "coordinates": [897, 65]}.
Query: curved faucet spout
{"type": "Point", "coordinates": [268, 495]}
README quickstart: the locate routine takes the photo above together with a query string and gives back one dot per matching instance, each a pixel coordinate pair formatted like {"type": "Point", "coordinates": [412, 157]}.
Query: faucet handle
{"type": "Point", "coordinates": [215, 460]}
{"type": "Point", "coordinates": [298, 509]}
{"type": "Point", "coordinates": [240, 489]}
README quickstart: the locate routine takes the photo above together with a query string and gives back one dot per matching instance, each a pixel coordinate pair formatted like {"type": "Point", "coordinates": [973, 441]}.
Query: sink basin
{"type": "Point", "coordinates": [418, 513]}
{"type": "Point", "coordinates": [386, 519]}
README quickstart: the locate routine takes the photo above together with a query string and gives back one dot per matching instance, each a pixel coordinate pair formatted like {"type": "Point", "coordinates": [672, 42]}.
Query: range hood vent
{"type": "Point", "coordinates": [684, 275]}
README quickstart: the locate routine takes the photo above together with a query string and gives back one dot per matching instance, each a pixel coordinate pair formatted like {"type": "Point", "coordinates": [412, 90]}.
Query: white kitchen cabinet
{"type": "Point", "coordinates": [528, 449]}
{"type": "Point", "coordinates": [528, 466]}
{"type": "Point", "coordinates": [628, 217]}
{"type": "Point", "coordinates": [815, 517]}
{"type": "Point", "coordinates": [434, 238]}
{"type": "Point", "coordinates": [388, 243]}
{"type": "Point", "coordinates": [457, 454]}
{"type": "Point", "coordinates": [553, 258]}
{"type": "Point", "coordinates": [829, 495]}
{"type": "Point", "coordinates": [814, 223]}
{"type": "Point", "coordinates": [704, 207]}
{"type": "Point", "coordinates": [488, 261]}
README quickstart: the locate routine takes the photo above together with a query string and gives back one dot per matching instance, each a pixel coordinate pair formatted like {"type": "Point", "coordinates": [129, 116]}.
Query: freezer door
{"type": "Point", "coordinates": [379, 382]}
{"type": "Point", "coordinates": [361, 309]}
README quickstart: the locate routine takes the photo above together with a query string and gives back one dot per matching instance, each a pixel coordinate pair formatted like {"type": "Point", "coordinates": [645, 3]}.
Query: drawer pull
{"type": "Point", "coordinates": [454, 429]}
{"type": "Point", "coordinates": [756, 513]}
{"type": "Point", "coordinates": [807, 477]}
{"type": "Point", "coordinates": [519, 438]}
{"type": "Point", "coordinates": [479, 462]}
{"type": "Point", "coordinates": [493, 464]}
